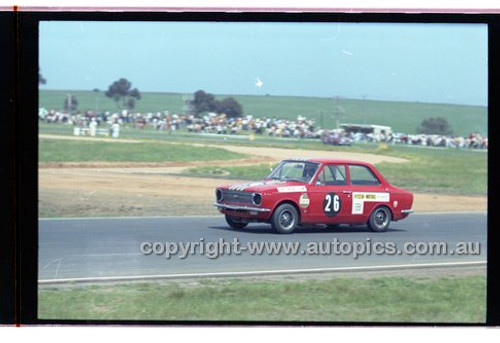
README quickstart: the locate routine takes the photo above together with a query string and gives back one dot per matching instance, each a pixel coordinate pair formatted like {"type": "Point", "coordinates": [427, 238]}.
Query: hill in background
{"type": "Point", "coordinates": [401, 116]}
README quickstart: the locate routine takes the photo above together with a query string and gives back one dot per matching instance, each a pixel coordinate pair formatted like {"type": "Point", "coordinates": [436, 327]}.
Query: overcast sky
{"type": "Point", "coordinates": [439, 63]}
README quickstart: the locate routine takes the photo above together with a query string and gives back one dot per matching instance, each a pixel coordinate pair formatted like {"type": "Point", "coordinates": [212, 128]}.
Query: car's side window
{"type": "Point", "coordinates": [338, 175]}
{"type": "Point", "coordinates": [333, 175]}
{"type": "Point", "coordinates": [361, 175]}
{"type": "Point", "coordinates": [321, 178]}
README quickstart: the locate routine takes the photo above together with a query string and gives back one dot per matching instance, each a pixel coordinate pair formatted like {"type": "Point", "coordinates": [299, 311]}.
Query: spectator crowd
{"type": "Point", "coordinates": [473, 141]}
{"type": "Point", "coordinates": [212, 123]}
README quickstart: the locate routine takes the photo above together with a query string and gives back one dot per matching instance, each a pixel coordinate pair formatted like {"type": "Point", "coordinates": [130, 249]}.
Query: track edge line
{"type": "Point", "coordinates": [259, 272]}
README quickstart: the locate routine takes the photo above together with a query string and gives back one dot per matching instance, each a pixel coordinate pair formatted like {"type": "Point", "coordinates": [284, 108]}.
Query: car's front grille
{"type": "Point", "coordinates": [240, 197]}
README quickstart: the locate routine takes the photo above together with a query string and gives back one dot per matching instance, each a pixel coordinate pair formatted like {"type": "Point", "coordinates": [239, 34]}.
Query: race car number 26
{"type": "Point", "coordinates": [331, 204]}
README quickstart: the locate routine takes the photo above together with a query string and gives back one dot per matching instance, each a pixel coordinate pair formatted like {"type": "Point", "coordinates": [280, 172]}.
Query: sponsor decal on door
{"type": "Point", "coordinates": [359, 199]}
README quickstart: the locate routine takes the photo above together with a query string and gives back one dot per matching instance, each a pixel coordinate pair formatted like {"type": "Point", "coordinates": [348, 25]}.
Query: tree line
{"type": "Point", "coordinates": [126, 97]}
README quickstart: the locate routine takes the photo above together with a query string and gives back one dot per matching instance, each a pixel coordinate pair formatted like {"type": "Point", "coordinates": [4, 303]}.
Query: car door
{"type": "Point", "coordinates": [330, 196]}
{"type": "Point", "coordinates": [367, 191]}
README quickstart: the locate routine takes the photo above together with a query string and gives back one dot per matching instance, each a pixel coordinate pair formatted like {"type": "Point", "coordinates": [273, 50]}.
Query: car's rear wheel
{"type": "Point", "coordinates": [235, 223]}
{"type": "Point", "coordinates": [380, 219]}
{"type": "Point", "coordinates": [285, 219]}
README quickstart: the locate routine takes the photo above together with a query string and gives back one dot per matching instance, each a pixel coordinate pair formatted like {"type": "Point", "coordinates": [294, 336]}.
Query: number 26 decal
{"type": "Point", "coordinates": [332, 204]}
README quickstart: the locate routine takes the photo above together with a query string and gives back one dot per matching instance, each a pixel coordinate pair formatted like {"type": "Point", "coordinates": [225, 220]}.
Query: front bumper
{"type": "Point", "coordinates": [241, 208]}
{"type": "Point", "coordinates": [407, 211]}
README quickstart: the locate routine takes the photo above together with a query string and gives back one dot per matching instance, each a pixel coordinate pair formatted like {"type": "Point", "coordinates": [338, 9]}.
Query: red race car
{"type": "Point", "coordinates": [316, 191]}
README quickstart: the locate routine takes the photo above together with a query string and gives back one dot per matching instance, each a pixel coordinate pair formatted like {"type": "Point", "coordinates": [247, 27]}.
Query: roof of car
{"type": "Point", "coordinates": [328, 160]}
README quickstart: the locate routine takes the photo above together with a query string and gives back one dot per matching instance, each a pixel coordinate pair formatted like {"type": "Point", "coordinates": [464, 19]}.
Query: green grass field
{"type": "Point", "coordinates": [451, 171]}
{"type": "Point", "coordinates": [402, 116]}
{"type": "Point", "coordinates": [88, 151]}
{"type": "Point", "coordinates": [381, 299]}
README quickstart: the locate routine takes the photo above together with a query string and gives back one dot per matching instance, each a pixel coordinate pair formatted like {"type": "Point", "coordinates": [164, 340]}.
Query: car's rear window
{"type": "Point", "coordinates": [361, 175]}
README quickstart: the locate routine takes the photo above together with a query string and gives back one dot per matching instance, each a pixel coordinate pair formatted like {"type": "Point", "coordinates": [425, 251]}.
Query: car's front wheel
{"type": "Point", "coordinates": [379, 219]}
{"type": "Point", "coordinates": [285, 219]}
{"type": "Point", "coordinates": [235, 223]}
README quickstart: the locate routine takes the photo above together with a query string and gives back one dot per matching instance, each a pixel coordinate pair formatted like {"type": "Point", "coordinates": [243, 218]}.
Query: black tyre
{"type": "Point", "coordinates": [285, 219]}
{"type": "Point", "coordinates": [380, 219]}
{"type": "Point", "coordinates": [235, 223]}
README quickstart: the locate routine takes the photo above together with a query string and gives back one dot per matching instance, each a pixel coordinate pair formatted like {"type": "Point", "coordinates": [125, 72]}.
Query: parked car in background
{"type": "Point", "coordinates": [334, 138]}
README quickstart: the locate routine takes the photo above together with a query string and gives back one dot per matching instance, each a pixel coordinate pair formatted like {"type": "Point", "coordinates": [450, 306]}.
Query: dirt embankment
{"type": "Point", "coordinates": [133, 192]}
{"type": "Point", "coordinates": [154, 189]}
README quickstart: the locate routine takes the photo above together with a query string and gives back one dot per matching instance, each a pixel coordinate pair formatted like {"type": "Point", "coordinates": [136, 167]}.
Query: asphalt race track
{"type": "Point", "coordinates": [89, 249]}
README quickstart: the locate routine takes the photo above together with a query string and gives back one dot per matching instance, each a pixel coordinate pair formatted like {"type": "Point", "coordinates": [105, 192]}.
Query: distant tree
{"type": "Point", "coordinates": [122, 94]}
{"type": "Point", "coordinates": [230, 107]}
{"type": "Point", "coordinates": [70, 103]}
{"type": "Point", "coordinates": [203, 102]}
{"type": "Point", "coordinates": [435, 126]}
{"type": "Point", "coordinates": [41, 79]}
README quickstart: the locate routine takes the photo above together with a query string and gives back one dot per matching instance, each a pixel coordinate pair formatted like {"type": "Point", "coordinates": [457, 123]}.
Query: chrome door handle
{"type": "Point", "coordinates": [346, 192]}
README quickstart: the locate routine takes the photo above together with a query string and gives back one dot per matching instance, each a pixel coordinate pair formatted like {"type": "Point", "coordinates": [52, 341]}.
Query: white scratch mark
{"type": "Point", "coordinates": [58, 260]}
{"type": "Point", "coordinates": [57, 268]}
{"type": "Point", "coordinates": [334, 37]}
{"type": "Point", "coordinates": [258, 82]}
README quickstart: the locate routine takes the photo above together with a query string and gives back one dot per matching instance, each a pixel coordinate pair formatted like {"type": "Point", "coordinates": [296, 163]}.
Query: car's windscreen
{"type": "Point", "coordinates": [294, 171]}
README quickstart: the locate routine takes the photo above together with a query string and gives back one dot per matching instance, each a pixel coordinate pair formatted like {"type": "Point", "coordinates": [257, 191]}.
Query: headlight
{"type": "Point", "coordinates": [257, 199]}
{"type": "Point", "coordinates": [218, 195]}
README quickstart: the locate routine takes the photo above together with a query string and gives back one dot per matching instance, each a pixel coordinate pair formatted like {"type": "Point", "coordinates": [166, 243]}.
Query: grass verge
{"type": "Point", "coordinates": [86, 151]}
{"type": "Point", "coordinates": [450, 171]}
{"type": "Point", "coordinates": [380, 299]}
